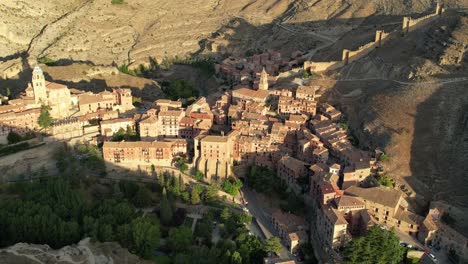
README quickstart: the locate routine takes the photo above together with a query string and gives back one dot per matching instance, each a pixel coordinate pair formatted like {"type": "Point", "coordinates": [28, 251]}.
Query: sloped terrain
{"type": "Point", "coordinates": [102, 33]}
{"type": "Point", "coordinates": [409, 98]}
{"type": "Point", "coordinates": [84, 252]}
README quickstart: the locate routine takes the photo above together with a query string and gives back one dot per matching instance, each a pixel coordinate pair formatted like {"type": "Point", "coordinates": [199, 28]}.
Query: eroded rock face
{"type": "Point", "coordinates": [100, 32]}
{"type": "Point", "coordinates": [84, 252]}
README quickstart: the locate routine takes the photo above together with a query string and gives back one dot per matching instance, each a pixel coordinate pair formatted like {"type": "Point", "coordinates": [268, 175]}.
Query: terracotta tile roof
{"type": "Point", "coordinates": [408, 217]}
{"type": "Point", "coordinates": [52, 85]}
{"type": "Point", "coordinates": [201, 115]}
{"type": "Point", "coordinates": [87, 98]}
{"type": "Point", "coordinates": [137, 144]}
{"type": "Point", "coordinates": [346, 201]}
{"type": "Point", "coordinates": [381, 195]}
{"type": "Point", "coordinates": [149, 120]}
{"type": "Point", "coordinates": [293, 163]}
{"type": "Point", "coordinates": [117, 120]}
{"type": "Point", "coordinates": [334, 215]}
{"type": "Point", "coordinates": [288, 222]}
{"type": "Point", "coordinates": [246, 92]}
{"type": "Point", "coordinates": [216, 139]}
{"type": "Point", "coordinates": [170, 113]}
{"type": "Point", "coordinates": [187, 121]}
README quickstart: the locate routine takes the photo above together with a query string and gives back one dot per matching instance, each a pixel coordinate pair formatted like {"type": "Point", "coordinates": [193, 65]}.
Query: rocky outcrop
{"type": "Point", "coordinates": [83, 252]}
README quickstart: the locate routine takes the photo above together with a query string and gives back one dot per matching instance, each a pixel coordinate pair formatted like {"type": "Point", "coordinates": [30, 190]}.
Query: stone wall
{"type": "Point", "coordinates": [322, 66]}
{"type": "Point", "coordinates": [381, 37]}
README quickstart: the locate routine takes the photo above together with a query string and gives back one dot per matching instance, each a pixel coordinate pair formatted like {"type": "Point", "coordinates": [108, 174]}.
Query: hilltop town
{"type": "Point", "coordinates": [259, 124]}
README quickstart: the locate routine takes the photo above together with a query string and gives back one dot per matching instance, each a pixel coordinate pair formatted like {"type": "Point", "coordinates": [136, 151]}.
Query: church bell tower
{"type": "Point", "coordinates": [38, 83]}
{"type": "Point", "coordinates": [263, 84]}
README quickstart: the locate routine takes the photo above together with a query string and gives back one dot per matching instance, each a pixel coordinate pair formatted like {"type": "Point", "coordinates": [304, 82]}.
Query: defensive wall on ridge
{"type": "Point", "coordinates": [381, 37]}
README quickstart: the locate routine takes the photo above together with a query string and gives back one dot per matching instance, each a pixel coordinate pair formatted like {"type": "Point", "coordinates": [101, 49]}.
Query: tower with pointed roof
{"type": "Point", "coordinates": [263, 84]}
{"type": "Point", "coordinates": [39, 85]}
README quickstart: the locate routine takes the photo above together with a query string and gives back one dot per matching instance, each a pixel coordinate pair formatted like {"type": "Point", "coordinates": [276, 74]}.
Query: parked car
{"type": "Point", "coordinates": [432, 257]}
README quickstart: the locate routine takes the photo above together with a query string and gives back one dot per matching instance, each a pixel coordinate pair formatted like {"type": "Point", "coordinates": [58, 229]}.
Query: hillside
{"type": "Point", "coordinates": [409, 98]}
{"type": "Point", "coordinates": [102, 33]}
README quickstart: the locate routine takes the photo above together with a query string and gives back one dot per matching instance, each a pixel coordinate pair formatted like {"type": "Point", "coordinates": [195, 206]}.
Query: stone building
{"type": "Point", "coordinates": [434, 232]}
{"type": "Point", "coordinates": [291, 169]}
{"type": "Point", "coordinates": [112, 126]}
{"type": "Point", "coordinates": [142, 153]}
{"type": "Point", "coordinates": [291, 229]}
{"type": "Point", "coordinates": [214, 155]}
{"type": "Point", "coordinates": [387, 207]}
{"type": "Point", "coordinates": [243, 95]}
{"type": "Point", "coordinates": [332, 227]}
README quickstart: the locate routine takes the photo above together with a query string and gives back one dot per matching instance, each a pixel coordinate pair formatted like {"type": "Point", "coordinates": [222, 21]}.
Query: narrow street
{"type": "Point", "coordinates": [260, 215]}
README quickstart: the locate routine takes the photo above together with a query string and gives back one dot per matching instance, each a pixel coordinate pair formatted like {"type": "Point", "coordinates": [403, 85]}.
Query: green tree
{"type": "Point", "coordinates": [384, 158]}
{"type": "Point", "coordinates": [272, 244]}
{"type": "Point", "coordinates": [385, 180]}
{"type": "Point", "coordinates": [180, 238]}
{"type": "Point", "coordinates": [232, 186]}
{"type": "Point", "coordinates": [175, 186]}
{"type": "Point", "coordinates": [211, 193]}
{"type": "Point", "coordinates": [225, 214]}
{"type": "Point", "coordinates": [199, 176]}
{"type": "Point", "coordinates": [142, 198]}
{"type": "Point", "coordinates": [13, 137]}
{"type": "Point", "coordinates": [45, 120]}
{"type": "Point", "coordinates": [236, 258]}
{"type": "Point", "coordinates": [162, 179]}
{"type": "Point", "coordinates": [182, 164]}
{"type": "Point", "coordinates": [165, 209]}
{"type": "Point", "coordinates": [181, 183]}
{"type": "Point", "coordinates": [8, 92]}
{"type": "Point", "coordinates": [146, 235]}
{"type": "Point", "coordinates": [376, 246]}
{"type": "Point", "coordinates": [195, 196]}
{"type": "Point", "coordinates": [128, 188]}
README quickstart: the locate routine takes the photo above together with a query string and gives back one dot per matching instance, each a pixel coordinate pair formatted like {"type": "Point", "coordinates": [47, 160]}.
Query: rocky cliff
{"type": "Point", "coordinates": [83, 252]}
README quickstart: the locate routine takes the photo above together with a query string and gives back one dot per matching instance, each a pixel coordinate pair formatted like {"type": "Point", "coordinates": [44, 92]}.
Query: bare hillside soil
{"type": "Point", "coordinates": [410, 98]}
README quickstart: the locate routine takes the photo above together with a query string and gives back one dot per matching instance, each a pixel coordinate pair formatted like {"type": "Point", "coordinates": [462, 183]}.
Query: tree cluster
{"type": "Point", "coordinates": [176, 89]}
{"type": "Point", "coordinates": [376, 246]}
{"type": "Point", "coordinates": [125, 134]}
{"type": "Point", "coordinates": [232, 186]}
{"type": "Point", "coordinates": [55, 213]}
{"type": "Point", "coordinates": [14, 137]}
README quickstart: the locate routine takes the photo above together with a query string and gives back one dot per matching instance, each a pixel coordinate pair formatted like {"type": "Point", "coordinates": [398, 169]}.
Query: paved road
{"type": "Point", "coordinates": [257, 211]}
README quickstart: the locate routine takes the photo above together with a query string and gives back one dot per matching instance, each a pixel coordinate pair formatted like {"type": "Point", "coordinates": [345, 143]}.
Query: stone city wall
{"type": "Point", "coordinates": [381, 37]}
{"type": "Point", "coordinates": [322, 66]}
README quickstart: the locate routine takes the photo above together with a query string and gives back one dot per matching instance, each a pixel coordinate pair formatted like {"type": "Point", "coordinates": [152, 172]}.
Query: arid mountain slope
{"type": "Point", "coordinates": [103, 33]}
{"type": "Point", "coordinates": [410, 98]}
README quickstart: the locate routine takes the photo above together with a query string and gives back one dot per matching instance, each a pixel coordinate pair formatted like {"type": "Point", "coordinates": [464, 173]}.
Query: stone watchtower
{"type": "Point", "coordinates": [263, 84]}
{"type": "Point", "coordinates": [39, 87]}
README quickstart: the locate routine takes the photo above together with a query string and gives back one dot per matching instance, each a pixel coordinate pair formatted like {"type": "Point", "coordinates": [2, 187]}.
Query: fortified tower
{"type": "Point", "coordinates": [263, 84]}
{"type": "Point", "coordinates": [39, 87]}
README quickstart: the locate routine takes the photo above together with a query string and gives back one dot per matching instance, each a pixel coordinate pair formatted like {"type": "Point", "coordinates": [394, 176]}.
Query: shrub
{"type": "Point", "coordinates": [13, 137]}
{"type": "Point", "coordinates": [47, 61]}
{"type": "Point", "coordinates": [117, 2]}
{"type": "Point", "coordinates": [232, 186]}
{"type": "Point", "coordinates": [384, 158]}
